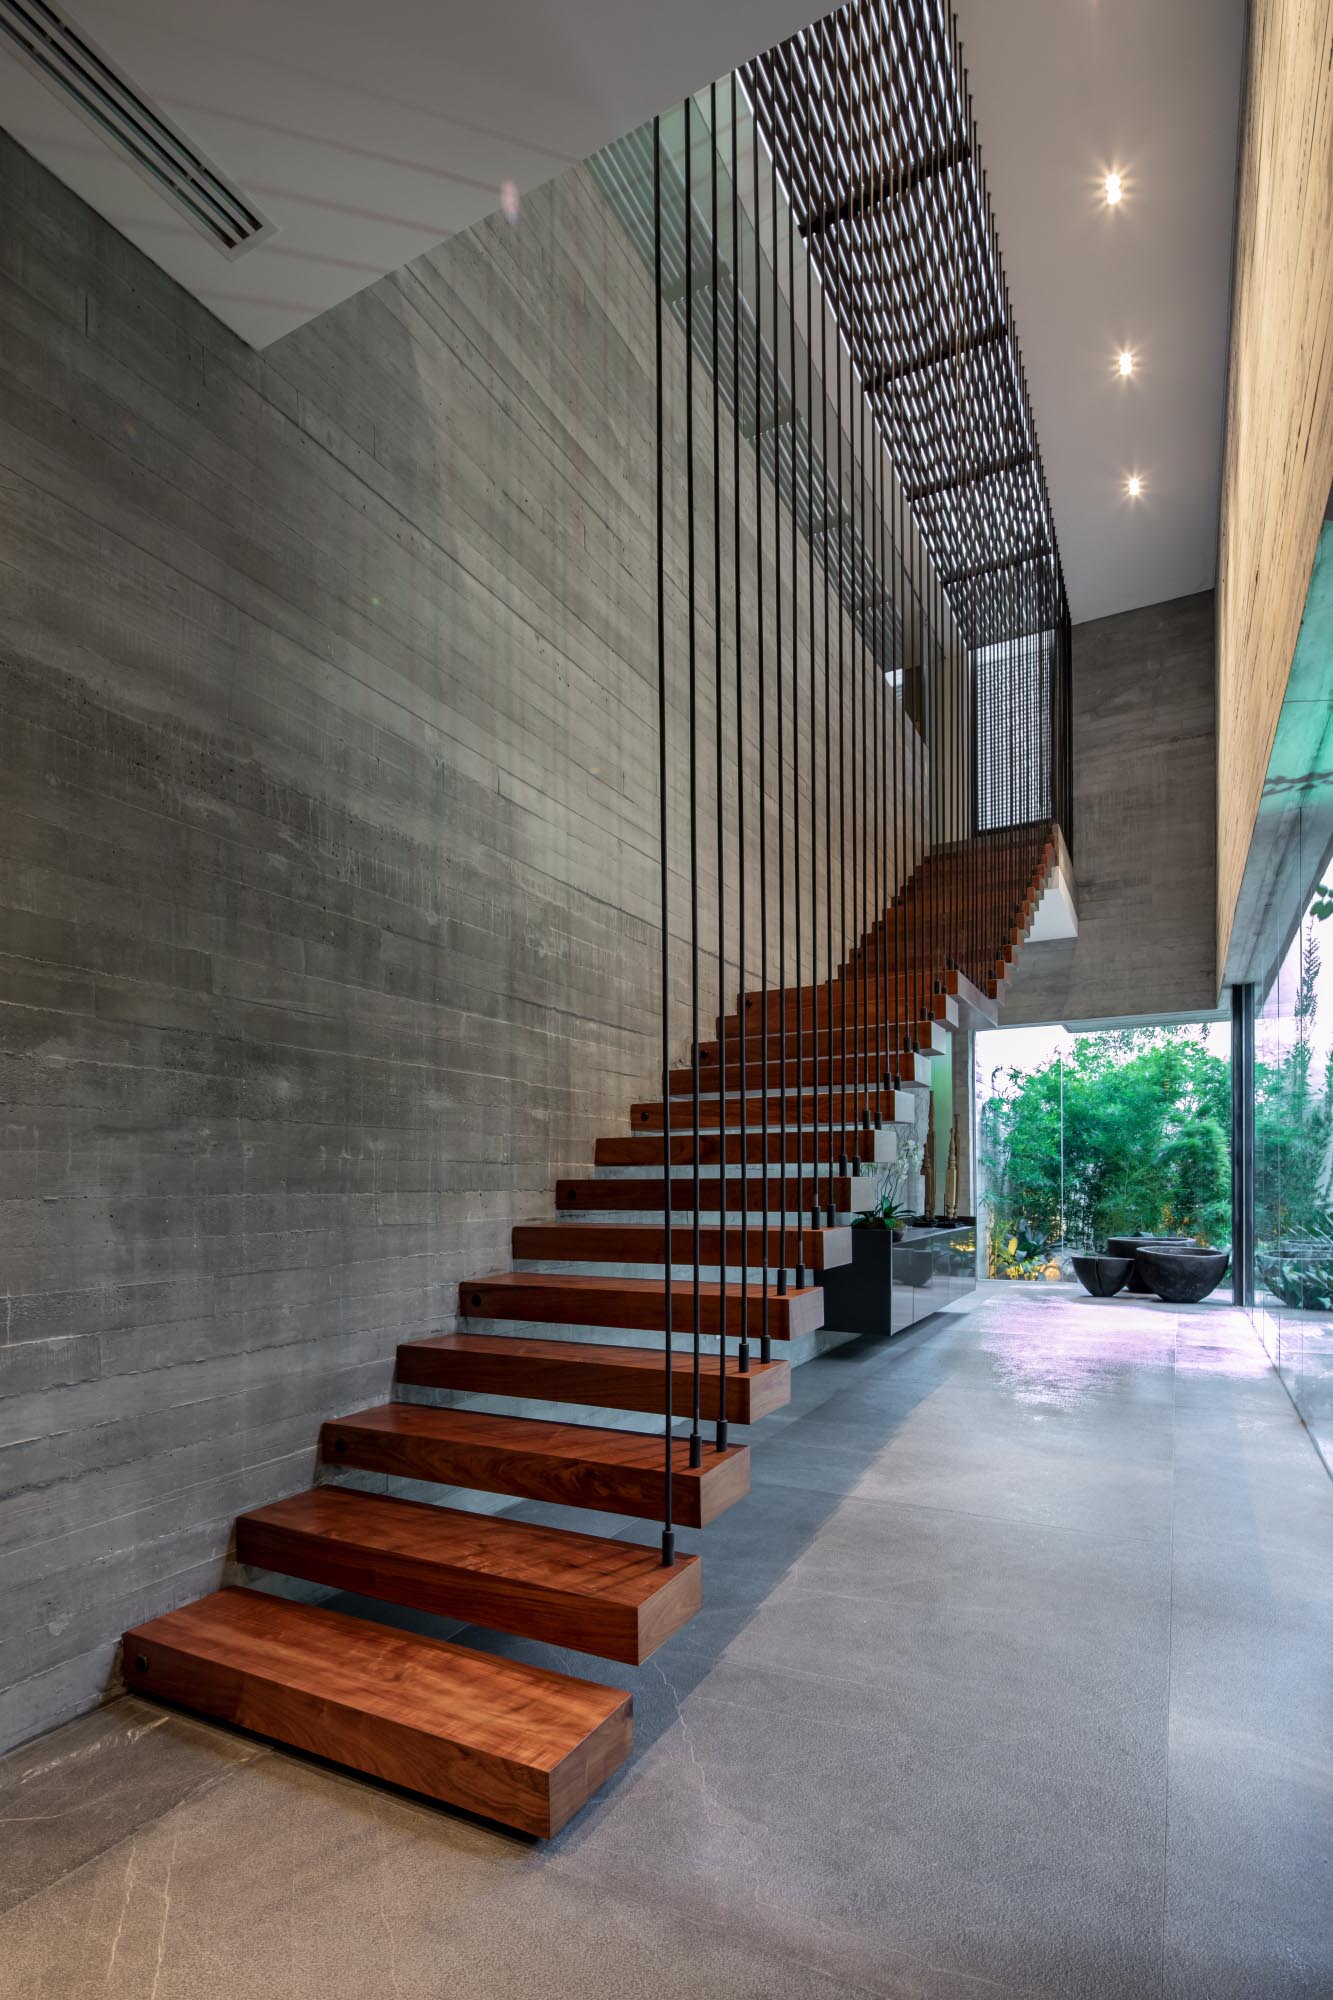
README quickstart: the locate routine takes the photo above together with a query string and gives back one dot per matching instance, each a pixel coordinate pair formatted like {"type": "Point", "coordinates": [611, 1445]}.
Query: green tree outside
{"type": "Point", "coordinates": [1124, 1136]}
{"type": "Point", "coordinates": [1129, 1135]}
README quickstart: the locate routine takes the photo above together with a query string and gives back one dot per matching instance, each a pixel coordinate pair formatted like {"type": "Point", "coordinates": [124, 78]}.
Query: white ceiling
{"type": "Point", "coordinates": [1065, 91]}
{"type": "Point", "coordinates": [369, 130]}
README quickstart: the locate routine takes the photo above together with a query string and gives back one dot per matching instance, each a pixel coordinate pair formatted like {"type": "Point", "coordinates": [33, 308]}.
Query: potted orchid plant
{"type": "Point", "coordinates": [891, 1211]}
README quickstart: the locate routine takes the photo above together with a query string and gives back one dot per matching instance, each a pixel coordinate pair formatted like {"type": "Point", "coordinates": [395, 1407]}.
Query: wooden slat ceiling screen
{"type": "Point", "coordinates": [868, 117]}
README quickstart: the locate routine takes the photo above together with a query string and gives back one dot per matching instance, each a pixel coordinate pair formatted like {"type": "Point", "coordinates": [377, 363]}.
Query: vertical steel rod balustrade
{"type": "Point", "coordinates": [840, 308]}
{"type": "Point", "coordinates": [821, 129]}
{"type": "Point", "coordinates": [904, 1034]}
{"type": "Point", "coordinates": [860, 993]}
{"type": "Point", "coordinates": [866, 949]}
{"type": "Point", "coordinates": [762, 696]}
{"type": "Point", "coordinates": [719, 717]}
{"type": "Point", "coordinates": [781, 741]}
{"type": "Point", "coordinates": [818, 1082]}
{"type": "Point", "coordinates": [847, 747]}
{"type": "Point", "coordinates": [785, 1082]}
{"type": "Point", "coordinates": [742, 962]}
{"type": "Point", "coordinates": [937, 633]}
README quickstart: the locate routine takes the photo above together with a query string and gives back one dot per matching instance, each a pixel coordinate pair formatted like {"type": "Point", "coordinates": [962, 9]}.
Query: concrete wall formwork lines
{"type": "Point", "coordinates": [328, 863]}
{"type": "Point", "coordinates": [1145, 747]}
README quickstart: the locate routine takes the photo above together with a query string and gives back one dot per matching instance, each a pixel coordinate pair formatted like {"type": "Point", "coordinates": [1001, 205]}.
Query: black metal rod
{"type": "Point", "coordinates": [696, 1369]}
{"type": "Point", "coordinates": [762, 701]}
{"type": "Point", "coordinates": [668, 1535]}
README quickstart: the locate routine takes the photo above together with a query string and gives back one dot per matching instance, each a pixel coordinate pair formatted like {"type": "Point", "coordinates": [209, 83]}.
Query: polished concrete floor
{"type": "Point", "coordinates": [1015, 1676]}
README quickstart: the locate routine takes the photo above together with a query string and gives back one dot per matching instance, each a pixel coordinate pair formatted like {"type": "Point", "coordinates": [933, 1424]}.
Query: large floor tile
{"type": "Point", "coordinates": [1012, 1678]}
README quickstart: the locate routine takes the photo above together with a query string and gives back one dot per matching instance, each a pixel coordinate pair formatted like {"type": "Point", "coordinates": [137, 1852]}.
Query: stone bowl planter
{"type": "Point", "coordinates": [1182, 1277]}
{"type": "Point", "coordinates": [1129, 1246]}
{"type": "Point", "coordinates": [1102, 1276]}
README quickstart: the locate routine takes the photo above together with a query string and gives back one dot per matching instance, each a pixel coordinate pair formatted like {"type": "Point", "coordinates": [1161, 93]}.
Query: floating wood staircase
{"type": "Point", "coordinates": [518, 1743]}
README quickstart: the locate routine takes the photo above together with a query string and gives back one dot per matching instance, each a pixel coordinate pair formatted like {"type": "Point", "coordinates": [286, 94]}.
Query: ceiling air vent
{"type": "Point", "coordinates": [91, 84]}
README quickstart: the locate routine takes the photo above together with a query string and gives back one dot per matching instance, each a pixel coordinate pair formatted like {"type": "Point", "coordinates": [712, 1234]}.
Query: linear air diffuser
{"type": "Point", "coordinates": [69, 64]}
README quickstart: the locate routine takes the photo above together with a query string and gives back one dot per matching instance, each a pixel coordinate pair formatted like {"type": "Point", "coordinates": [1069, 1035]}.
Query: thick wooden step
{"type": "Point", "coordinates": [978, 968]}
{"type": "Point", "coordinates": [642, 1243]}
{"type": "Point", "coordinates": [875, 978]}
{"type": "Point", "coordinates": [930, 1010]}
{"type": "Point", "coordinates": [814, 1146]}
{"type": "Point", "coordinates": [571, 1465]}
{"type": "Point", "coordinates": [928, 1037]}
{"type": "Point", "coordinates": [973, 904]}
{"type": "Point", "coordinates": [835, 1110]}
{"type": "Point", "coordinates": [854, 999]}
{"type": "Point", "coordinates": [586, 1592]}
{"type": "Point", "coordinates": [909, 1065]}
{"type": "Point", "coordinates": [822, 1014]}
{"type": "Point", "coordinates": [884, 955]}
{"type": "Point", "coordinates": [563, 1299]}
{"type": "Point", "coordinates": [515, 1743]}
{"type": "Point", "coordinates": [596, 1377]}
{"type": "Point", "coordinates": [840, 1195]}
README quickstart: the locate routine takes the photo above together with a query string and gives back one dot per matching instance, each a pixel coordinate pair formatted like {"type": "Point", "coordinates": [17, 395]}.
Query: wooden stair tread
{"type": "Point", "coordinates": [844, 1195]}
{"type": "Point", "coordinates": [933, 1036]}
{"type": "Point", "coordinates": [864, 1030]}
{"type": "Point", "coordinates": [573, 1465]}
{"type": "Point", "coordinates": [568, 1299]}
{"type": "Point", "coordinates": [824, 1072]}
{"type": "Point", "coordinates": [830, 1108]}
{"type": "Point", "coordinates": [642, 1243]}
{"type": "Point", "coordinates": [516, 1743]}
{"type": "Point", "coordinates": [817, 1144]}
{"type": "Point", "coordinates": [585, 1592]}
{"type": "Point", "coordinates": [929, 1012]}
{"type": "Point", "coordinates": [586, 1372]}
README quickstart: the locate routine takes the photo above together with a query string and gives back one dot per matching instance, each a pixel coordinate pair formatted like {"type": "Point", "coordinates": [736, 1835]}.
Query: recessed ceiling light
{"type": "Point", "coordinates": [1113, 189]}
{"type": "Point", "coordinates": [1126, 363]}
{"type": "Point", "coordinates": [1134, 486]}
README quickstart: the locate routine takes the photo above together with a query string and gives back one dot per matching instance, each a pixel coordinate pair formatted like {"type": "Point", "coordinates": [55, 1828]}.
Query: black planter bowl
{"type": "Point", "coordinates": [1130, 1246]}
{"type": "Point", "coordinates": [1182, 1277]}
{"type": "Point", "coordinates": [1102, 1276]}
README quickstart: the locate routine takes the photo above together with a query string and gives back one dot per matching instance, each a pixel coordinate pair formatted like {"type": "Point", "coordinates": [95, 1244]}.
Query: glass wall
{"type": "Point", "coordinates": [1122, 1132]}
{"type": "Point", "coordinates": [1293, 1166]}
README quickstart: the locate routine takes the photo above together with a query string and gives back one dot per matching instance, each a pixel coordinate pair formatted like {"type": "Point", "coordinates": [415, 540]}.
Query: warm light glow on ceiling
{"type": "Point", "coordinates": [1113, 189]}
{"type": "Point", "coordinates": [1134, 486]}
{"type": "Point", "coordinates": [1126, 362]}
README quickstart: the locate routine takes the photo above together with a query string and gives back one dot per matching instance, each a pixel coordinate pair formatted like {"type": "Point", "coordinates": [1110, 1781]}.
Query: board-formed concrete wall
{"type": "Point", "coordinates": [1145, 747]}
{"type": "Point", "coordinates": [328, 850]}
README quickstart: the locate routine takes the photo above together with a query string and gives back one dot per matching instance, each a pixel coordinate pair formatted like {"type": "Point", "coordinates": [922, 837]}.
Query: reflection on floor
{"type": "Point", "coordinates": [1015, 1676]}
